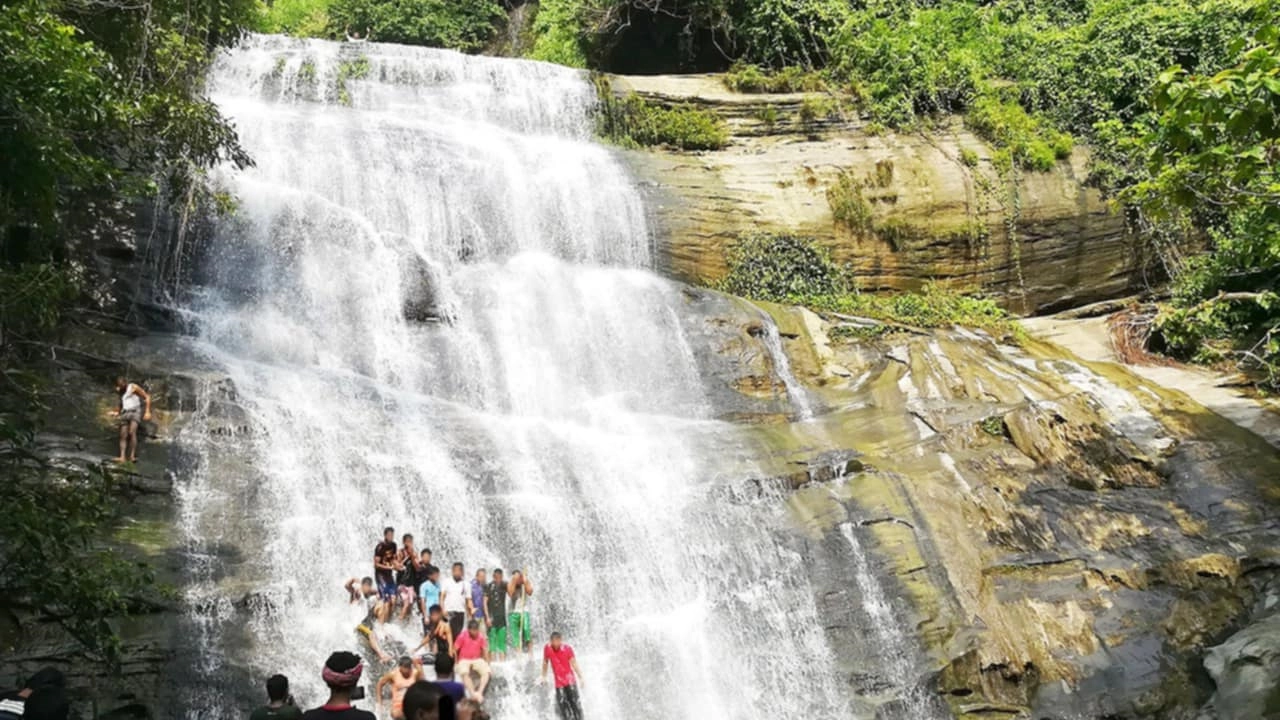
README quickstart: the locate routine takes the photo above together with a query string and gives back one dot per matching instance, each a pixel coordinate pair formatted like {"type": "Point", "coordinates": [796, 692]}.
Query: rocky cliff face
{"type": "Point", "coordinates": [1057, 539]}
{"type": "Point", "coordinates": [939, 209]}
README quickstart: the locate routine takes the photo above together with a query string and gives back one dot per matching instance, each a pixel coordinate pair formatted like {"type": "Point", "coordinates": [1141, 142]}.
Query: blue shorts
{"type": "Point", "coordinates": [387, 592]}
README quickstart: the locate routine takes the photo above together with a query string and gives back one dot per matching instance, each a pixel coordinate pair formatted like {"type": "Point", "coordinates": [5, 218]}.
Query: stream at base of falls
{"type": "Point", "coordinates": [436, 308]}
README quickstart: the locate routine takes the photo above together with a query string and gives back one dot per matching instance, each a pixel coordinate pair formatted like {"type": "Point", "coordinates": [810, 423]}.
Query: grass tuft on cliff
{"type": "Point", "coordinates": [631, 121]}
{"type": "Point", "coordinates": [798, 271]}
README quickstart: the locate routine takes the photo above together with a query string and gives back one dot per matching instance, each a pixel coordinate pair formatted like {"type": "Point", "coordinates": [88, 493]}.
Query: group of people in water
{"type": "Point", "coordinates": [466, 624]}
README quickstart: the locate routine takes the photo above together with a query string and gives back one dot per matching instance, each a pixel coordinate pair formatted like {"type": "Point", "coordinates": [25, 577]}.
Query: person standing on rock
{"type": "Point", "coordinates": [384, 564]}
{"type": "Point", "coordinates": [407, 579]}
{"type": "Point", "coordinates": [453, 598]}
{"type": "Point", "coordinates": [279, 703]}
{"type": "Point", "coordinates": [475, 599]}
{"type": "Point", "coordinates": [520, 590]}
{"type": "Point", "coordinates": [495, 608]}
{"type": "Point", "coordinates": [429, 590]}
{"type": "Point", "coordinates": [568, 676]}
{"type": "Point", "coordinates": [135, 406]}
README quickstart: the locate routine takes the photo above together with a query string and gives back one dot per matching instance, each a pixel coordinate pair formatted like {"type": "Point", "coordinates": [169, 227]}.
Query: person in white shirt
{"type": "Point", "coordinates": [135, 406]}
{"type": "Point", "coordinates": [453, 600]}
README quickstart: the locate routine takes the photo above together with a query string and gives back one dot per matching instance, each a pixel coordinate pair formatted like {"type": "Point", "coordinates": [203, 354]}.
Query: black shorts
{"type": "Point", "coordinates": [457, 623]}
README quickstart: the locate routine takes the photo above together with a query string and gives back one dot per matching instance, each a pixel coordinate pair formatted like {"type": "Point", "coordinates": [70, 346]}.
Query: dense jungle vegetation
{"type": "Point", "coordinates": [100, 106]}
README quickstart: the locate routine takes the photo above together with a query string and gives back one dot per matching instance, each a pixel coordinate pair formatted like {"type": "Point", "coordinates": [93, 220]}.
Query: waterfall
{"type": "Point", "coordinates": [889, 639]}
{"type": "Point", "coordinates": [435, 306]}
{"type": "Point", "coordinates": [796, 393]}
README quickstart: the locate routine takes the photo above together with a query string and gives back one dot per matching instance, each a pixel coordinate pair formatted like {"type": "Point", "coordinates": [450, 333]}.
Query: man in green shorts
{"type": "Point", "coordinates": [520, 590]}
{"type": "Point", "coordinates": [495, 608]}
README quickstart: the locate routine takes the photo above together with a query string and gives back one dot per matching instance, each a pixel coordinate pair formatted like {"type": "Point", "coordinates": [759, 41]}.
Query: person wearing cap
{"type": "Point", "coordinates": [473, 655]}
{"type": "Point", "coordinates": [279, 703]}
{"type": "Point", "coordinates": [13, 704]}
{"type": "Point", "coordinates": [342, 674]}
{"type": "Point", "coordinates": [400, 679]}
{"type": "Point", "coordinates": [568, 676]}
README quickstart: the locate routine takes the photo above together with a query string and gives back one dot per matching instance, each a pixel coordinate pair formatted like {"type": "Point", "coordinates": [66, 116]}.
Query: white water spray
{"type": "Point", "coordinates": [435, 310]}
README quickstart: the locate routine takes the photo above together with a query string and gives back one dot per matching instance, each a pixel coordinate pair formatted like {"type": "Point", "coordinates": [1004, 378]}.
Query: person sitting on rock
{"type": "Point", "coordinates": [472, 650]}
{"type": "Point", "coordinates": [375, 613]}
{"type": "Point", "coordinates": [135, 406]}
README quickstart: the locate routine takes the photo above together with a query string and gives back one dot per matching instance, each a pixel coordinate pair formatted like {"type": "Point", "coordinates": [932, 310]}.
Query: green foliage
{"type": "Point", "coordinates": [349, 70]}
{"type": "Point", "coordinates": [994, 426]}
{"type": "Point", "coordinates": [748, 78]}
{"type": "Point", "coordinates": [98, 102]}
{"type": "Point", "coordinates": [33, 297]}
{"type": "Point", "coordinates": [631, 121]}
{"type": "Point", "coordinates": [781, 267]}
{"type": "Point", "coordinates": [559, 32]}
{"type": "Point", "coordinates": [968, 158]}
{"type": "Point", "coordinates": [1212, 164]}
{"type": "Point", "coordinates": [1031, 143]}
{"type": "Point", "coordinates": [770, 33]}
{"type": "Point", "coordinates": [301, 18]}
{"type": "Point", "coordinates": [848, 205]}
{"type": "Point", "coordinates": [798, 271]}
{"type": "Point", "coordinates": [458, 24]}
{"type": "Point", "coordinates": [931, 307]}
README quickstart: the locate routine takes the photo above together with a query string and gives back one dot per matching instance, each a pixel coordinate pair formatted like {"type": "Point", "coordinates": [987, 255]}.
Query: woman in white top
{"type": "Point", "coordinates": [135, 406]}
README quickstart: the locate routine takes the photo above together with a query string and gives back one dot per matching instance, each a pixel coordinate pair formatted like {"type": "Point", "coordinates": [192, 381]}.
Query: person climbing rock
{"type": "Point", "coordinates": [279, 703]}
{"type": "Point", "coordinates": [473, 656]}
{"type": "Point", "coordinates": [429, 589]}
{"type": "Point", "coordinates": [342, 674]}
{"type": "Point", "coordinates": [400, 679]}
{"type": "Point", "coordinates": [520, 634]}
{"type": "Point", "coordinates": [568, 677]}
{"type": "Point", "coordinates": [384, 564]}
{"type": "Point", "coordinates": [475, 599]}
{"type": "Point", "coordinates": [495, 609]}
{"type": "Point", "coordinates": [407, 579]}
{"type": "Point", "coordinates": [428, 701]}
{"type": "Point", "coordinates": [135, 406]}
{"type": "Point", "coordinates": [453, 598]}
{"type": "Point", "coordinates": [375, 613]}
{"type": "Point", "coordinates": [446, 680]}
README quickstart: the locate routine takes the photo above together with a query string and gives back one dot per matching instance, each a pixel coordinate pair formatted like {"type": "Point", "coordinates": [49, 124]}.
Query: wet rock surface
{"type": "Point", "coordinates": [1058, 538]}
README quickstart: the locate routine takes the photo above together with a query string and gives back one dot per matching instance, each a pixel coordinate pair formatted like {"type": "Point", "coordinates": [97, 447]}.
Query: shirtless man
{"type": "Point", "coordinates": [400, 679]}
{"type": "Point", "coordinates": [375, 612]}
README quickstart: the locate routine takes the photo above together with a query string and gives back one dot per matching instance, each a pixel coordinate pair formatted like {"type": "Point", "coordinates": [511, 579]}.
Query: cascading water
{"type": "Point", "coordinates": [551, 419]}
{"type": "Point", "coordinates": [890, 645]}
{"type": "Point", "coordinates": [782, 368]}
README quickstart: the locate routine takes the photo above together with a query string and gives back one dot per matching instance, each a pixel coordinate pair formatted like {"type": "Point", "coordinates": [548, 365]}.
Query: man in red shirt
{"type": "Point", "coordinates": [473, 654]}
{"type": "Point", "coordinates": [564, 665]}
